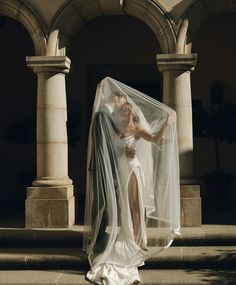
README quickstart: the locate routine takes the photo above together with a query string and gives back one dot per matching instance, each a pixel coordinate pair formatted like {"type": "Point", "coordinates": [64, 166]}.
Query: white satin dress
{"type": "Point", "coordinates": [121, 267]}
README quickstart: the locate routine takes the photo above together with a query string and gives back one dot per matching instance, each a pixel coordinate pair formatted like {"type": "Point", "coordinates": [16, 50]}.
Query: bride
{"type": "Point", "coordinates": [132, 200]}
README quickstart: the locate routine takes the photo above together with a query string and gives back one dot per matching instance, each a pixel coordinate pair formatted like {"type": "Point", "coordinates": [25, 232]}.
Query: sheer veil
{"type": "Point", "coordinates": [109, 234]}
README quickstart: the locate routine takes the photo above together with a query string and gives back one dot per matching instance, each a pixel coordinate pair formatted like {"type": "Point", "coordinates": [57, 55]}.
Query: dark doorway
{"type": "Point", "coordinates": [121, 47]}
{"type": "Point", "coordinates": [17, 121]}
{"type": "Point", "coordinates": [215, 75]}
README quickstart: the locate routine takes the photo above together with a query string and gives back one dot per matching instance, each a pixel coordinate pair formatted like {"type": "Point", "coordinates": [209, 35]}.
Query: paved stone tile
{"type": "Point", "coordinates": [28, 277]}
{"type": "Point", "coordinates": [171, 254]}
{"type": "Point", "coordinates": [188, 277]}
{"type": "Point", "coordinates": [72, 278]}
{"type": "Point", "coordinates": [203, 253]}
{"type": "Point", "coordinates": [149, 277]}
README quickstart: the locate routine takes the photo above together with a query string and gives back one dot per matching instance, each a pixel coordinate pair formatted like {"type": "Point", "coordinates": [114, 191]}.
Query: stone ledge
{"type": "Point", "coordinates": [59, 192]}
{"type": "Point", "coordinates": [74, 258]}
{"type": "Point", "coordinates": [47, 62]}
{"type": "Point", "coordinates": [46, 213]}
{"type": "Point", "coordinates": [191, 208]}
{"type": "Point", "coordinates": [178, 62]}
{"type": "Point", "coordinates": [57, 237]}
{"type": "Point", "coordinates": [189, 191]}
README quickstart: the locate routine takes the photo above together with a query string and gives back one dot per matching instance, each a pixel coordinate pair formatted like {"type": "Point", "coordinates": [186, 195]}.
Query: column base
{"type": "Point", "coordinates": [50, 207]}
{"type": "Point", "coordinates": [191, 210]}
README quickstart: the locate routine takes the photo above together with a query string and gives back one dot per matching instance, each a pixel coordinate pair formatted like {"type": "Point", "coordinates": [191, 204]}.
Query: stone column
{"type": "Point", "coordinates": [50, 200]}
{"type": "Point", "coordinates": [176, 69]}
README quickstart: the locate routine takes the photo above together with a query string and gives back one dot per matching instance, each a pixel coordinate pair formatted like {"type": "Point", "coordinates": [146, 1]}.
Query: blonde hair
{"type": "Point", "coordinates": [134, 115]}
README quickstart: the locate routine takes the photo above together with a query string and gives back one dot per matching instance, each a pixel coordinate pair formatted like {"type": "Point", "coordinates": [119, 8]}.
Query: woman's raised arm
{"type": "Point", "coordinates": [142, 133]}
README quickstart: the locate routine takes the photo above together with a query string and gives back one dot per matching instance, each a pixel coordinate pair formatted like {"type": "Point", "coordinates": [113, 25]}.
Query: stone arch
{"type": "Point", "coordinates": [80, 12]}
{"type": "Point", "coordinates": [18, 11]}
{"type": "Point", "coordinates": [196, 15]}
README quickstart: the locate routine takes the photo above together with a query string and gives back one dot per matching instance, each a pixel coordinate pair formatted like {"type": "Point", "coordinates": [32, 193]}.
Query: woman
{"type": "Point", "coordinates": [138, 194]}
{"type": "Point", "coordinates": [130, 132]}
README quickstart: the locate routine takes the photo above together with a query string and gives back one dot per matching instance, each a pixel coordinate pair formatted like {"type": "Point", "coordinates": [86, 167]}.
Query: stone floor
{"type": "Point", "coordinates": [215, 216]}
{"type": "Point", "coordinates": [148, 277]}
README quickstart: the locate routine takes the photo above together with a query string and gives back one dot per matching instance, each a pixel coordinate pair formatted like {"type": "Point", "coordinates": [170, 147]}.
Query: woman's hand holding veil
{"type": "Point", "coordinates": [171, 118]}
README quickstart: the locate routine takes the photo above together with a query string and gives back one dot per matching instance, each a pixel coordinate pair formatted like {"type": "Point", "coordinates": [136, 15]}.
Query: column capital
{"type": "Point", "coordinates": [176, 62]}
{"type": "Point", "coordinates": [57, 64]}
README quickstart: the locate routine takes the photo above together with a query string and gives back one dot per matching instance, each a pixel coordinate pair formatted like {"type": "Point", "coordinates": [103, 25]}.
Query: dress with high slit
{"type": "Point", "coordinates": [121, 266]}
{"type": "Point", "coordinates": [126, 198]}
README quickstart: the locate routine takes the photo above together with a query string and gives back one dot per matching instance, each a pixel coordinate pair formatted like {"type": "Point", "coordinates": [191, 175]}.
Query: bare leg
{"type": "Point", "coordinates": [134, 206]}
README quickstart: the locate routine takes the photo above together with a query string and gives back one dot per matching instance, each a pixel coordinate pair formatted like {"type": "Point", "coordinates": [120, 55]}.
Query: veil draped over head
{"type": "Point", "coordinates": [110, 218]}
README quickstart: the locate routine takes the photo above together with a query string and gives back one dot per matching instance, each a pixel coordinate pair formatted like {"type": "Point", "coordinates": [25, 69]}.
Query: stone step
{"type": "Point", "coordinates": [75, 259]}
{"type": "Point", "coordinates": [205, 236]}
{"type": "Point", "coordinates": [148, 277]}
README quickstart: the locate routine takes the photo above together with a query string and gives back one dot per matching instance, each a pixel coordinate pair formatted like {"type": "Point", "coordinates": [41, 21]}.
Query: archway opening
{"type": "Point", "coordinates": [121, 47]}
{"type": "Point", "coordinates": [17, 121]}
{"type": "Point", "coordinates": [215, 44]}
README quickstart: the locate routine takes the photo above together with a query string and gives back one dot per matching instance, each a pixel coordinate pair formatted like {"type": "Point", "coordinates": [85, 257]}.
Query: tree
{"type": "Point", "coordinates": [216, 125]}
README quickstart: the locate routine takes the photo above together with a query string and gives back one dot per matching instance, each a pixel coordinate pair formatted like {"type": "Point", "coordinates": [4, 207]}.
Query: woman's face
{"type": "Point", "coordinates": [125, 110]}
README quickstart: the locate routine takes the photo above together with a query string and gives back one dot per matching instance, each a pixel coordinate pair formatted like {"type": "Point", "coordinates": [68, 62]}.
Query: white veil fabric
{"type": "Point", "coordinates": [132, 209]}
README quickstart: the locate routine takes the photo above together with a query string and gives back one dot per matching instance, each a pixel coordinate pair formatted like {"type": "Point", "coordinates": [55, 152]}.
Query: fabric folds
{"type": "Point", "coordinates": [132, 206]}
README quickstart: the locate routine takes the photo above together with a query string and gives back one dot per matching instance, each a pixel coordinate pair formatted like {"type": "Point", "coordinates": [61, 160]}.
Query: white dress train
{"type": "Point", "coordinates": [121, 267]}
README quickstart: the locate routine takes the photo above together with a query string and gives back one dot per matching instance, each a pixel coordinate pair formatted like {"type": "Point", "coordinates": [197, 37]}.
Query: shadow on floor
{"type": "Point", "coordinates": [215, 276]}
